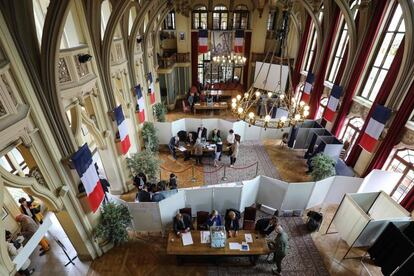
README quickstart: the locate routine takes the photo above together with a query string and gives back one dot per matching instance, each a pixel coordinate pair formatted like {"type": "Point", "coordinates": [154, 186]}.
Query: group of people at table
{"type": "Point", "coordinates": [192, 144]}
{"type": "Point", "coordinates": [182, 223]}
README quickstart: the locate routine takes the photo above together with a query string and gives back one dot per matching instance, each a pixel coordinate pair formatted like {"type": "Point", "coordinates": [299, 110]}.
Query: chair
{"type": "Point", "coordinates": [186, 211]}
{"type": "Point", "coordinates": [186, 108]}
{"type": "Point", "coordinates": [202, 217]}
{"type": "Point", "coordinates": [249, 218]}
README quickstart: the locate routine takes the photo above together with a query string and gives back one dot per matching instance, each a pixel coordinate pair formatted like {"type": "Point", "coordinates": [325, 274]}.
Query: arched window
{"type": "Point", "coordinates": [312, 41]}
{"type": "Point", "coordinates": [271, 20]}
{"type": "Point", "coordinates": [14, 162]}
{"type": "Point", "coordinates": [322, 105]}
{"type": "Point", "coordinates": [241, 17]}
{"type": "Point", "coordinates": [169, 21]}
{"type": "Point", "coordinates": [40, 10]}
{"type": "Point", "coordinates": [402, 162]}
{"type": "Point", "coordinates": [390, 42]}
{"type": "Point", "coordinates": [220, 16]}
{"type": "Point", "coordinates": [105, 14]}
{"type": "Point", "coordinates": [351, 131]}
{"type": "Point", "coordinates": [200, 17]}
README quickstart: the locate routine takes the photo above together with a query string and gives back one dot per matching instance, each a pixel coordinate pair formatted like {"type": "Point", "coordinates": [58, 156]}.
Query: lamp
{"type": "Point", "coordinates": [83, 58]}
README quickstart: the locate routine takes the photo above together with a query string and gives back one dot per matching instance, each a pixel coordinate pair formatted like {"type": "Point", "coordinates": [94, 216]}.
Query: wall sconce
{"type": "Point", "coordinates": [83, 58]}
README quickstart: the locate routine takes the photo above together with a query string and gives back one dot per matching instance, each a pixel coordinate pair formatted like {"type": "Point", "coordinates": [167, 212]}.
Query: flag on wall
{"type": "Point", "coordinates": [151, 88]}
{"type": "Point", "coordinates": [310, 78]}
{"type": "Point", "coordinates": [82, 160]}
{"type": "Point", "coordinates": [333, 103]}
{"type": "Point", "coordinates": [202, 41]}
{"type": "Point", "coordinates": [140, 103]}
{"type": "Point", "coordinates": [123, 129]}
{"type": "Point", "coordinates": [239, 41]}
{"type": "Point", "coordinates": [375, 127]}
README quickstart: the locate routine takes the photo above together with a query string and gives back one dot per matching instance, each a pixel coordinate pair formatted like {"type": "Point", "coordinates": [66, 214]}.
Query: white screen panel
{"type": "Point", "coordinates": [192, 124]}
{"type": "Point", "coordinates": [199, 199]}
{"type": "Point", "coordinates": [271, 192]}
{"type": "Point", "coordinates": [319, 192]}
{"type": "Point", "coordinates": [164, 132]}
{"type": "Point", "coordinates": [340, 186]}
{"type": "Point", "coordinates": [226, 198]}
{"type": "Point", "coordinates": [170, 206]}
{"type": "Point", "coordinates": [378, 180]}
{"type": "Point", "coordinates": [297, 195]}
{"type": "Point", "coordinates": [145, 216]}
{"type": "Point", "coordinates": [177, 126]}
{"type": "Point", "coordinates": [210, 124]}
{"type": "Point", "coordinates": [269, 79]}
{"type": "Point", "coordinates": [240, 128]}
{"type": "Point", "coordinates": [249, 192]}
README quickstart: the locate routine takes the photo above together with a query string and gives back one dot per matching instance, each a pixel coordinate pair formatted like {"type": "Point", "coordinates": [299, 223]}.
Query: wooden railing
{"type": "Point", "coordinates": [168, 62]}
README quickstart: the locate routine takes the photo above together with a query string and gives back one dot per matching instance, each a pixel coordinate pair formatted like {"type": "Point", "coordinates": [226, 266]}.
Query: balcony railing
{"type": "Point", "coordinates": [69, 69]}
{"type": "Point", "coordinates": [168, 62]}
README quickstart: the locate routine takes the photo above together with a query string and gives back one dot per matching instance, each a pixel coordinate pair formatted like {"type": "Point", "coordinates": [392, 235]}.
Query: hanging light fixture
{"type": "Point", "coordinates": [293, 111]}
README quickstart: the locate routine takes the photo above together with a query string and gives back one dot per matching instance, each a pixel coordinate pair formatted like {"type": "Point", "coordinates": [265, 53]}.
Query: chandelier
{"type": "Point", "coordinates": [232, 58]}
{"type": "Point", "coordinates": [279, 107]}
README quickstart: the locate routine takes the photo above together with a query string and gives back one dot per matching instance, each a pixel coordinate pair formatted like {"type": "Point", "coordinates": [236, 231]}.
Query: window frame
{"type": "Point", "coordinates": [169, 18]}
{"type": "Point", "coordinates": [339, 53]}
{"type": "Point", "coordinates": [409, 166]}
{"type": "Point", "coordinates": [220, 13]}
{"type": "Point", "coordinates": [199, 11]}
{"type": "Point", "coordinates": [242, 11]}
{"type": "Point", "coordinates": [357, 132]}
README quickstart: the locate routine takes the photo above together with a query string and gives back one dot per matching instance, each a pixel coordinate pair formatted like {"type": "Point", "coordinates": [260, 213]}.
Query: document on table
{"type": "Point", "coordinates": [244, 247]}
{"type": "Point", "coordinates": [234, 246]}
{"type": "Point", "coordinates": [205, 236]}
{"type": "Point", "coordinates": [248, 237]}
{"type": "Point", "coordinates": [187, 238]}
{"type": "Point", "coordinates": [181, 148]}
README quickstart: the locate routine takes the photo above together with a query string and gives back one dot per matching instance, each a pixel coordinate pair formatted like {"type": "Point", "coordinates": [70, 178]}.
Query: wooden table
{"type": "Point", "coordinates": [257, 248]}
{"type": "Point", "coordinates": [214, 106]}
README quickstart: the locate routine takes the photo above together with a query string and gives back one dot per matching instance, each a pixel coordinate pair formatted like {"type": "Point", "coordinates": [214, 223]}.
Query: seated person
{"type": "Point", "coordinates": [191, 139]}
{"type": "Point", "coordinates": [172, 145]}
{"type": "Point", "coordinates": [173, 183]}
{"type": "Point", "coordinates": [209, 99]}
{"type": "Point", "coordinates": [215, 135]}
{"type": "Point", "coordinates": [202, 96]}
{"type": "Point", "coordinates": [14, 247]}
{"type": "Point", "coordinates": [265, 226]}
{"type": "Point", "coordinates": [181, 223]}
{"type": "Point", "coordinates": [232, 224]}
{"type": "Point", "coordinates": [214, 219]}
{"type": "Point", "coordinates": [143, 195]}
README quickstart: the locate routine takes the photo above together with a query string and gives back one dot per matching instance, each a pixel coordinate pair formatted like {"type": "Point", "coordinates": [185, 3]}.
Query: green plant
{"type": "Point", "coordinates": [160, 109]}
{"type": "Point", "coordinates": [150, 137]}
{"type": "Point", "coordinates": [323, 166]}
{"type": "Point", "coordinates": [115, 218]}
{"type": "Point", "coordinates": [146, 162]}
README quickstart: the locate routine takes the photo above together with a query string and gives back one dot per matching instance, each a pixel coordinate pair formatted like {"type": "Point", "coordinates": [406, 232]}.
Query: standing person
{"type": "Point", "coordinates": [217, 151]}
{"type": "Point", "coordinates": [104, 183]}
{"type": "Point", "coordinates": [279, 246]}
{"type": "Point", "coordinates": [14, 247]}
{"type": "Point", "coordinates": [29, 228]}
{"type": "Point", "coordinates": [191, 101]}
{"type": "Point", "coordinates": [198, 152]}
{"type": "Point", "coordinates": [265, 226]}
{"type": "Point", "coordinates": [31, 209]}
{"type": "Point", "coordinates": [140, 180]}
{"type": "Point", "coordinates": [172, 145]}
{"type": "Point", "coordinates": [230, 140]}
{"type": "Point", "coordinates": [173, 182]}
{"type": "Point", "coordinates": [215, 135]}
{"type": "Point", "coordinates": [234, 151]}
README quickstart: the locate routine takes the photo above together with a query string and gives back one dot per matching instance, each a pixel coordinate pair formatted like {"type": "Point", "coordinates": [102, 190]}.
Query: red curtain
{"type": "Point", "coordinates": [194, 58]}
{"type": "Point", "coordinates": [247, 44]}
{"type": "Point", "coordinates": [408, 201]}
{"type": "Point", "coordinates": [362, 59]}
{"type": "Point", "coordinates": [301, 54]}
{"type": "Point", "coordinates": [380, 99]}
{"type": "Point", "coordinates": [318, 86]}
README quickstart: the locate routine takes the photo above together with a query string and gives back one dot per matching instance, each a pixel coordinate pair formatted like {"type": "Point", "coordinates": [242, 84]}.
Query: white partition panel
{"type": "Point", "coordinates": [177, 126]}
{"type": "Point", "coordinates": [200, 199]}
{"type": "Point", "coordinates": [297, 196]}
{"type": "Point", "coordinates": [145, 216]}
{"type": "Point", "coordinates": [273, 133]}
{"type": "Point", "coordinates": [210, 124]}
{"type": "Point", "coordinates": [170, 206]}
{"type": "Point", "coordinates": [240, 128]}
{"type": "Point", "coordinates": [340, 186]}
{"type": "Point", "coordinates": [271, 192]}
{"type": "Point", "coordinates": [385, 207]}
{"type": "Point", "coordinates": [378, 180]}
{"type": "Point", "coordinates": [249, 192]}
{"type": "Point", "coordinates": [224, 127]}
{"type": "Point", "coordinates": [319, 192]}
{"type": "Point", "coordinates": [226, 198]}
{"type": "Point", "coordinates": [364, 200]}
{"type": "Point", "coordinates": [164, 132]}
{"type": "Point", "coordinates": [192, 124]}
{"type": "Point", "coordinates": [253, 133]}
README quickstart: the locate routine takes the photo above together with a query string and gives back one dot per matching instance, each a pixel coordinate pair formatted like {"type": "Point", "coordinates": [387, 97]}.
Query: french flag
{"type": "Point", "coordinates": [202, 41]}
{"type": "Point", "coordinates": [140, 103]}
{"type": "Point", "coordinates": [239, 41]}
{"type": "Point", "coordinates": [310, 78]}
{"type": "Point", "coordinates": [375, 127]}
{"type": "Point", "coordinates": [123, 129]}
{"type": "Point", "coordinates": [333, 103]}
{"type": "Point", "coordinates": [151, 88]}
{"type": "Point", "coordinates": [82, 160]}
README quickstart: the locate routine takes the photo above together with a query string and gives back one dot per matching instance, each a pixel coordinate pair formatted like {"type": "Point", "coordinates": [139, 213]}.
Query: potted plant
{"type": "Point", "coordinates": [112, 227]}
{"type": "Point", "coordinates": [149, 135]}
{"type": "Point", "coordinates": [146, 162]}
{"type": "Point", "coordinates": [159, 111]}
{"type": "Point", "coordinates": [323, 166]}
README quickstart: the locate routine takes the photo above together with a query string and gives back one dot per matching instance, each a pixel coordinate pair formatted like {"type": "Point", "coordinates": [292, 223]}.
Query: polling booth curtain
{"type": "Point", "coordinates": [361, 61]}
{"type": "Point", "coordinates": [301, 54]}
{"type": "Point", "coordinates": [318, 86]}
{"type": "Point", "coordinates": [408, 201]}
{"type": "Point", "coordinates": [247, 44]}
{"type": "Point", "coordinates": [381, 98]}
{"type": "Point", "coordinates": [194, 58]}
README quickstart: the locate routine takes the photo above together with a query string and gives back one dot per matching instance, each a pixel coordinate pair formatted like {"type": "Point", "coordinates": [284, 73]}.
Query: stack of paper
{"type": "Point", "coordinates": [248, 238]}
{"type": "Point", "coordinates": [205, 236]}
{"type": "Point", "coordinates": [234, 246]}
{"type": "Point", "coordinates": [187, 238]}
{"type": "Point", "coordinates": [181, 148]}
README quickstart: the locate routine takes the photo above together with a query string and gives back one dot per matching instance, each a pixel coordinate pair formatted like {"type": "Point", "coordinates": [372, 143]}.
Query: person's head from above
{"type": "Point", "coordinates": [232, 215]}
{"type": "Point", "coordinates": [179, 216]}
{"type": "Point", "coordinates": [190, 135]}
{"type": "Point", "coordinates": [273, 220]}
{"type": "Point", "coordinates": [8, 235]}
{"type": "Point", "coordinates": [23, 201]}
{"type": "Point", "coordinates": [153, 188]}
{"type": "Point", "coordinates": [279, 229]}
{"type": "Point", "coordinates": [231, 131]}
{"type": "Point", "coordinates": [214, 213]}
{"type": "Point", "coordinates": [20, 218]}
{"type": "Point", "coordinates": [172, 176]}
{"type": "Point", "coordinates": [215, 131]}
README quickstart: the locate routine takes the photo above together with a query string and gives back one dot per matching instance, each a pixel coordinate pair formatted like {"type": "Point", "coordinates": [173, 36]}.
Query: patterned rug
{"type": "Point", "coordinates": [250, 152]}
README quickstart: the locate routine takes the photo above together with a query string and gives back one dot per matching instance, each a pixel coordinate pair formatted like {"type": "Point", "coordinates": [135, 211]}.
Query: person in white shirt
{"type": "Point", "coordinates": [230, 140]}
{"type": "Point", "coordinates": [14, 251]}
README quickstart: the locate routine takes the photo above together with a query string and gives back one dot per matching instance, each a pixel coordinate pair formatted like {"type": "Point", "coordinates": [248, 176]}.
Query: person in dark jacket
{"type": "Point", "coordinates": [143, 195]}
{"type": "Point", "coordinates": [30, 209]}
{"type": "Point", "coordinates": [140, 180]}
{"type": "Point", "coordinates": [172, 145]}
{"type": "Point", "coordinates": [214, 219]}
{"type": "Point", "coordinates": [232, 224]}
{"type": "Point", "coordinates": [202, 133]}
{"type": "Point", "coordinates": [181, 223]}
{"type": "Point", "coordinates": [265, 226]}
{"type": "Point", "coordinates": [173, 182]}
{"type": "Point", "coordinates": [279, 248]}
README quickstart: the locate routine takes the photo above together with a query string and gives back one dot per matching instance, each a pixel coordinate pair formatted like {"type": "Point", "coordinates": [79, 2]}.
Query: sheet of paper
{"type": "Point", "coordinates": [187, 238]}
{"type": "Point", "coordinates": [234, 246]}
{"type": "Point", "coordinates": [181, 148]}
{"type": "Point", "coordinates": [244, 247]}
{"type": "Point", "coordinates": [205, 236]}
{"type": "Point", "coordinates": [248, 237]}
